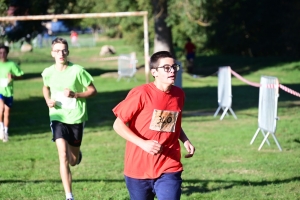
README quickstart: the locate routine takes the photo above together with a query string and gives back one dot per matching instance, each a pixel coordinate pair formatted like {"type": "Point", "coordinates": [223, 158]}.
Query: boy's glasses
{"type": "Point", "coordinates": [168, 68]}
{"type": "Point", "coordinates": [64, 51]}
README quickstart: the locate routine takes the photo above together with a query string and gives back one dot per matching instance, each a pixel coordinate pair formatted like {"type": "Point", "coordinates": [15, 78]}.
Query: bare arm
{"type": "Point", "coordinates": [12, 77]}
{"type": "Point", "coordinates": [150, 146]}
{"type": "Point", "coordinates": [47, 96]}
{"type": "Point", "coordinates": [91, 91]}
{"type": "Point", "coordinates": [187, 144]}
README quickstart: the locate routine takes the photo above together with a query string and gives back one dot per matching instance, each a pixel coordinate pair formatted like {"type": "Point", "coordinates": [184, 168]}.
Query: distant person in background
{"type": "Point", "coordinates": [190, 53]}
{"type": "Point", "coordinates": [190, 50]}
{"type": "Point", "coordinates": [66, 87]}
{"type": "Point", "coordinates": [8, 72]}
{"type": "Point", "coordinates": [74, 38]}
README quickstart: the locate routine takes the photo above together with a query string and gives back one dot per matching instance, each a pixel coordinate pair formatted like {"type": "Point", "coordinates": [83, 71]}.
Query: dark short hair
{"type": "Point", "coordinates": [154, 59]}
{"type": "Point", "coordinates": [59, 40]}
{"type": "Point", "coordinates": [2, 46]}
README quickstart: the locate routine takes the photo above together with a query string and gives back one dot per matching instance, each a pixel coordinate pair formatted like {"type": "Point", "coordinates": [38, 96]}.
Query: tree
{"type": "Point", "coordinates": [254, 28]}
{"type": "Point", "coordinates": [132, 28]}
{"type": "Point", "coordinates": [129, 28]}
{"type": "Point", "coordinates": [189, 19]}
{"type": "Point", "coordinates": [246, 27]}
{"type": "Point", "coordinates": [162, 23]}
{"type": "Point", "coordinates": [22, 29]}
{"type": "Point", "coordinates": [163, 34]}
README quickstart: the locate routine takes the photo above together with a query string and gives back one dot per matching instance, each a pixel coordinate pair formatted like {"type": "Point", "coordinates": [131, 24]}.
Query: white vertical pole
{"type": "Point", "coordinates": [146, 47]}
{"type": "Point", "coordinates": [178, 80]}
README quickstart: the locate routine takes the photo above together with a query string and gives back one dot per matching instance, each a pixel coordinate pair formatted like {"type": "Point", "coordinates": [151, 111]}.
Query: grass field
{"type": "Point", "coordinates": [225, 165]}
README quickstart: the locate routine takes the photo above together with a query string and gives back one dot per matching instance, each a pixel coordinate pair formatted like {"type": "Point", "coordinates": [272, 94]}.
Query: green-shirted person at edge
{"type": "Point", "coordinates": [8, 72]}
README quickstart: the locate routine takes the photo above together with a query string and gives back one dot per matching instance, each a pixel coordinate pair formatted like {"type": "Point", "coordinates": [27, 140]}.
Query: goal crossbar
{"type": "Point", "coordinates": [144, 14]}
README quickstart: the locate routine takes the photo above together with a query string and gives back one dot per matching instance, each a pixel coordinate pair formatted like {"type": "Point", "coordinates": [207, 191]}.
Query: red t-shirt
{"type": "Point", "coordinates": [74, 35]}
{"type": "Point", "coordinates": [190, 47]}
{"type": "Point", "coordinates": [153, 115]}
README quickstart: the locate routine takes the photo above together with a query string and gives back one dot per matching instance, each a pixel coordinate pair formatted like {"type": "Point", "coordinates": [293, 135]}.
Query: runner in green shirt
{"type": "Point", "coordinates": [66, 85]}
{"type": "Point", "coordinates": [8, 72]}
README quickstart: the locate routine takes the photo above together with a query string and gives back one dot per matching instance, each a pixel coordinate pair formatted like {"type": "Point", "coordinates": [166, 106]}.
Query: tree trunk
{"type": "Point", "coordinates": [163, 34]}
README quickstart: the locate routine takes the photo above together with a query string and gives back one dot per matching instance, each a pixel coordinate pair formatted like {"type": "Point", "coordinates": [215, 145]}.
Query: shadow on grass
{"type": "Point", "coordinates": [31, 116]}
{"type": "Point", "coordinates": [186, 190]}
{"type": "Point", "coordinates": [207, 65]}
{"type": "Point", "coordinates": [297, 140]}
{"type": "Point", "coordinates": [203, 188]}
{"type": "Point", "coordinates": [59, 181]}
{"type": "Point", "coordinates": [92, 71]}
{"type": "Point", "coordinates": [205, 99]}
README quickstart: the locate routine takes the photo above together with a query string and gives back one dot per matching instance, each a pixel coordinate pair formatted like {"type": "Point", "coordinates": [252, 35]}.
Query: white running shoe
{"type": "Point", "coordinates": [1, 134]}
{"type": "Point", "coordinates": [5, 137]}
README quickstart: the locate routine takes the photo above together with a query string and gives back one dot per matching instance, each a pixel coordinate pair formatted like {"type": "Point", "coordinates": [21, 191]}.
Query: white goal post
{"type": "Point", "coordinates": [144, 14]}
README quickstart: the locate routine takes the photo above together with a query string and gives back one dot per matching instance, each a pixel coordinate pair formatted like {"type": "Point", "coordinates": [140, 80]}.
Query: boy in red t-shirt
{"type": "Point", "coordinates": [149, 118]}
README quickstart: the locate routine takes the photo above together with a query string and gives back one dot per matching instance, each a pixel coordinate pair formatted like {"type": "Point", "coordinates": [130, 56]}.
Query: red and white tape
{"type": "Point", "coordinates": [243, 79]}
{"type": "Point", "coordinates": [284, 88]}
{"type": "Point", "coordinates": [288, 90]}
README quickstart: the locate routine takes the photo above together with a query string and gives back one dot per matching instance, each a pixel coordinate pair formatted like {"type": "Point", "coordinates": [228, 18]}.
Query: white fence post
{"type": "Point", "coordinates": [267, 109]}
{"type": "Point", "coordinates": [178, 80]}
{"type": "Point", "coordinates": [224, 91]}
{"type": "Point", "coordinates": [127, 66]}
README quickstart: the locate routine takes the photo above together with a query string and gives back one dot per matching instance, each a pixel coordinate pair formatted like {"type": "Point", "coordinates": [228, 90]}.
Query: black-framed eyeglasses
{"type": "Point", "coordinates": [168, 68]}
{"type": "Point", "coordinates": [64, 51]}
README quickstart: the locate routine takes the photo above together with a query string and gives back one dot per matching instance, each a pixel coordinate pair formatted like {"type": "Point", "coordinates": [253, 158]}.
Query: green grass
{"type": "Point", "coordinates": [225, 165]}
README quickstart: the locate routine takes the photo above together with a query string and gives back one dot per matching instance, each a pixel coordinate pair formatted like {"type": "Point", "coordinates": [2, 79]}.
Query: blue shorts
{"type": "Point", "coordinates": [166, 187]}
{"type": "Point", "coordinates": [7, 100]}
{"type": "Point", "coordinates": [190, 56]}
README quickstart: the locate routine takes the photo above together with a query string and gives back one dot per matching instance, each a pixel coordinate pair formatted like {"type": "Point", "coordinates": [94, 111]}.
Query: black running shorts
{"type": "Point", "coordinates": [70, 132]}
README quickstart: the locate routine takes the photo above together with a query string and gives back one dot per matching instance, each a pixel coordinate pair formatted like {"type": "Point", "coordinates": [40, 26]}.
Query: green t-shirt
{"type": "Point", "coordinates": [8, 67]}
{"type": "Point", "coordinates": [75, 78]}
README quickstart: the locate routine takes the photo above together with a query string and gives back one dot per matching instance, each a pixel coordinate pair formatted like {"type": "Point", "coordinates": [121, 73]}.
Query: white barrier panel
{"type": "Point", "coordinates": [224, 91]}
{"type": "Point", "coordinates": [267, 109]}
{"type": "Point", "coordinates": [127, 66]}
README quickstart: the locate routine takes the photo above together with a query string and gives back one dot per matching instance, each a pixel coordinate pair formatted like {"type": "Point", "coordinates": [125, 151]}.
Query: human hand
{"type": "Point", "coordinates": [69, 93]}
{"type": "Point", "coordinates": [190, 149]}
{"type": "Point", "coordinates": [50, 103]}
{"type": "Point", "coordinates": [10, 77]}
{"type": "Point", "coordinates": [152, 147]}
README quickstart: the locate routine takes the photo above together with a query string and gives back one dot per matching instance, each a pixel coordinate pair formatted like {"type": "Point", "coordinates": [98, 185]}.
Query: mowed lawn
{"type": "Point", "coordinates": [225, 165]}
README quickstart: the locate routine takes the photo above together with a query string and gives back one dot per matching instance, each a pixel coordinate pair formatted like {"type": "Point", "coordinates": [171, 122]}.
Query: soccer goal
{"type": "Point", "coordinates": [143, 14]}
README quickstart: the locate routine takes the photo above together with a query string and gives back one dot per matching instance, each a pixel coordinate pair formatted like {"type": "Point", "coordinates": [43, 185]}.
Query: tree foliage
{"type": "Point", "coordinates": [163, 36]}
{"type": "Point", "coordinates": [245, 27]}
{"type": "Point", "coordinates": [130, 28]}
{"type": "Point", "coordinates": [39, 7]}
{"type": "Point", "coordinates": [254, 28]}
